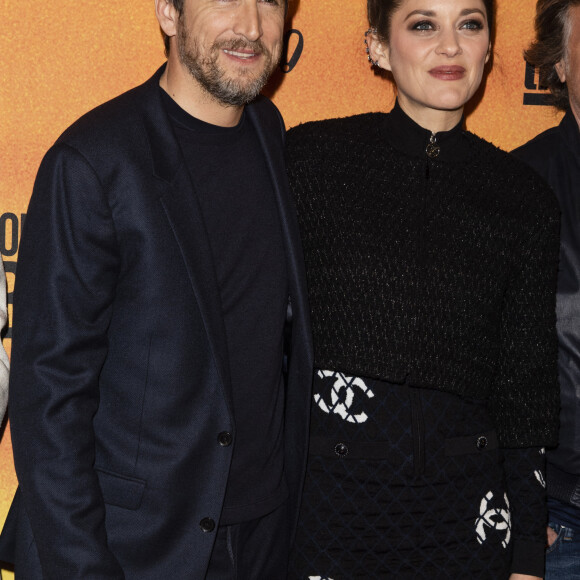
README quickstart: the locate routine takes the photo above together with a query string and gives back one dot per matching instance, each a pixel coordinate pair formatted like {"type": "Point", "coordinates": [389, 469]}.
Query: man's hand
{"type": "Point", "coordinates": [524, 577]}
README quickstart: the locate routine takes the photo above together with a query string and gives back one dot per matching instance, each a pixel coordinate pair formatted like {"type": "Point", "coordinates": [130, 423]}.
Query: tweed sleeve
{"type": "Point", "coordinates": [524, 397]}
{"type": "Point", "coordinates": [526, 490]}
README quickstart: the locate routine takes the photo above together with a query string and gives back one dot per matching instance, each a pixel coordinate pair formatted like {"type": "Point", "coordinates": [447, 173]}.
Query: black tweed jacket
{"type": "Point", "coordinates": [436, 271]}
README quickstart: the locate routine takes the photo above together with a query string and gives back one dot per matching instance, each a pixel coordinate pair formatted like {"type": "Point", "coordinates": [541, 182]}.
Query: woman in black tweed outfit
{"type": "Point", "coordinates": [432, 261]}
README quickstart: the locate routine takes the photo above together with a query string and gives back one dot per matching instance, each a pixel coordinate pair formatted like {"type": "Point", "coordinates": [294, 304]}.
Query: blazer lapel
{"type": "Point", "coordinates": [184, 214]}
{"type": "Point", "coordinates": [270, 130]}
{"type": "Point", "coordinates": [271, 140]}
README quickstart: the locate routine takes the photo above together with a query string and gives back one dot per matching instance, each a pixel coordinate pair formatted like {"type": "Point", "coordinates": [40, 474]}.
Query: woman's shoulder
{"type": "Point", "coordinates": [335, 130]}
{"type": "Point", "coordinates": [491, 153]}
{"type": "Point", "coordinates": [512, 178]}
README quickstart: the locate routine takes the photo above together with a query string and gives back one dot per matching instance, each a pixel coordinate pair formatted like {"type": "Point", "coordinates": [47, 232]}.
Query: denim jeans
{"type": "Point", "coordinates": [563, 556]}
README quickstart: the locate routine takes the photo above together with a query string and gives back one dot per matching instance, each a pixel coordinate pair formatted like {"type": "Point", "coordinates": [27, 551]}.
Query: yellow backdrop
{"type": "Point", "coordinates": [64, 57]}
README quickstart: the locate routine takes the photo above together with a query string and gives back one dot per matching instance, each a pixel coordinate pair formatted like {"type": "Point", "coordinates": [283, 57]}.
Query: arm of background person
{"type": "Point", "coordinates": [4, 365]}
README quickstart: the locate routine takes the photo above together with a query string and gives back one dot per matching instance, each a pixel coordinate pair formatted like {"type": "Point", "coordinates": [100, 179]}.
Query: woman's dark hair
{"type": "Point", "coordinates": [178, 4]}
{"type": "Point", "coordinates": [380, 13]}
{"type": "Point", "coordinates": [552, 27]}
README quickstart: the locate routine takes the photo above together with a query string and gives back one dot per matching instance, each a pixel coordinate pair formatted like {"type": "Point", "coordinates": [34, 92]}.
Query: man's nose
{"type": "Point", "coordinates": [248, 20]}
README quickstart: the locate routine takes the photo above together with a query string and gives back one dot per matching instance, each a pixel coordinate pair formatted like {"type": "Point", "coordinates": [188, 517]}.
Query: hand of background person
{"type": "Point", "coordinates": [552, 536]}
{"type": "Point", "coordinates": [524, 577]}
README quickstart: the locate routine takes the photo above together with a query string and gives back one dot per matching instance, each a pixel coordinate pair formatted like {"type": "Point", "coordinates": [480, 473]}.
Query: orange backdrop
{"type": "Point", "coordinates": [62, 58]}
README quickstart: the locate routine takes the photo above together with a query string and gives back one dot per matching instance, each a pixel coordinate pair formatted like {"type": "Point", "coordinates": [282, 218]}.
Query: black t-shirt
{"type": "Point", "coordinates": [238, 205]}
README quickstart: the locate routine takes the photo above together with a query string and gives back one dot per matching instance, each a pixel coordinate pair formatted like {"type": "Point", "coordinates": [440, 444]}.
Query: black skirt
{"type": "Point", "coordinates": [401, 483]}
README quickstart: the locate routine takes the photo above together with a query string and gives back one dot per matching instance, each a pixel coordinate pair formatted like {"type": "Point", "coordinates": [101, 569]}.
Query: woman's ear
{"type": "Point", "coordinates": [378, 51]}
{"type": "Point", "coordinates": [488, 55]}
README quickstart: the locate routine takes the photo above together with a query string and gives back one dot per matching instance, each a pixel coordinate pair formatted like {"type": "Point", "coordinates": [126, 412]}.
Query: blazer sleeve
{"type": "Point", "coordinates": [4, 364]}
{"type": "Point", "coordinates": [67, 271]}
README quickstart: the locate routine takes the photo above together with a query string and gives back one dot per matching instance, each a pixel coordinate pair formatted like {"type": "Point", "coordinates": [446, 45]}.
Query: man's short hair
{"type": "Point", "coordinates": [178, 4]}
{"type": "Point", "coordinates": [552, 26]}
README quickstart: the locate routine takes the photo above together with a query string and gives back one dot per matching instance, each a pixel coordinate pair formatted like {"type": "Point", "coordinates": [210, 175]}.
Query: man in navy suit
{"type": "Point", "coordinates": [161, 352]}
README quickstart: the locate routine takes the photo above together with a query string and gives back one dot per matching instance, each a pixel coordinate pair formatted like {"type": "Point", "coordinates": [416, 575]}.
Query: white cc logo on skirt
{"type": "Point", "coordinates": [342, 407]}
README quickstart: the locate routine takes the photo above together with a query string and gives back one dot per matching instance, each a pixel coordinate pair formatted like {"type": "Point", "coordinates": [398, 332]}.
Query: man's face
{"type": "Point", "coordinates": [231, 47]}
{"type": "Point", "coordinates": [568, 68]}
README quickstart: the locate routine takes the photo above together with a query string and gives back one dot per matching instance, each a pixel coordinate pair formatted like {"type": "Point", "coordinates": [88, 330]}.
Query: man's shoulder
{"type": "Point", "coordinates": [538, 151]}
{"type": "Point", "coordinates": [113, 123]}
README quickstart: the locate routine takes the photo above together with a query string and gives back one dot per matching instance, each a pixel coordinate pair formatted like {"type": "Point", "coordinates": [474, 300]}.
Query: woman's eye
{"type": "Point", "coordinates": [422, 25]}
{"type": "Point", "coordinates": [472, 25]}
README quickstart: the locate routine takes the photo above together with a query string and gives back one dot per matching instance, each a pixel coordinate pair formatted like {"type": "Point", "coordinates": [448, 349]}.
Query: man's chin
{"type": "Point", "coordinates": [239, 90]}
{"type": "Point", "coordinates": [233, 95]}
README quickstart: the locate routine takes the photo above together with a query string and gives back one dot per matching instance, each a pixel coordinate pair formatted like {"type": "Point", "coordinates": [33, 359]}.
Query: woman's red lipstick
{"type": "Point", "coordinates": [448, 73]}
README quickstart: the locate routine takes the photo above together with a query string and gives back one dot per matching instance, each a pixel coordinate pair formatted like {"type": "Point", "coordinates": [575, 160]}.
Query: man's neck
{"type": "Point", "coordinates": [193, 98]}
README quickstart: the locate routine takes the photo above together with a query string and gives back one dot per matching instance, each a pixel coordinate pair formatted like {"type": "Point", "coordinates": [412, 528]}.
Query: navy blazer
{"type": "Point", "coordinates": [120, 383]}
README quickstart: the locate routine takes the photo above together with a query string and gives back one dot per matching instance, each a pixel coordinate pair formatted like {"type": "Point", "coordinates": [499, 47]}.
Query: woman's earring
{"type": "Point", "coordinates": [367, 49]}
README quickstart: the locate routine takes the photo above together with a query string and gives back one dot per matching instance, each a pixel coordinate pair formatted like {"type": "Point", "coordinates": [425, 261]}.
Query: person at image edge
{"type": "Point", "coordinates": [555, 155]}
{"type": "Point", "coordinates": [4, 364]}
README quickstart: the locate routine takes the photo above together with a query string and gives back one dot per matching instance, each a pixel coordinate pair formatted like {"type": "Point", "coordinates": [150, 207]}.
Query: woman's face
{"type": "Point", "coordinates": [436, 52]}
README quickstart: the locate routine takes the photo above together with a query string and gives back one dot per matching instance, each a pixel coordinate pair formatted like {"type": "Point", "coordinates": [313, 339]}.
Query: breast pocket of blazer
{"type": "Point", "coordinates": [121, 490]}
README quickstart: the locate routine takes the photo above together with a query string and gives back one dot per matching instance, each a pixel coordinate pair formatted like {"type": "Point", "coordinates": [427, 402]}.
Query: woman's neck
{"type": "Point", "coordinates": [434, 120]}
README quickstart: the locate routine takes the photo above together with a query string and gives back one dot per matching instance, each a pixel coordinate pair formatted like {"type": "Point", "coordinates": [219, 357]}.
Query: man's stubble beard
{"type": "Point", "coordinates": [228, 91]}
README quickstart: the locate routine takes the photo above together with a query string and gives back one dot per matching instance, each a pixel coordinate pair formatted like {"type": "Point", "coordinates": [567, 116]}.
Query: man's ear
{"type": "Point", "coordinates": [167, 16]}
{"type": "Point", "coordinates": [561, 70]}
{"type": "Point", "coordinates": [379, 51]}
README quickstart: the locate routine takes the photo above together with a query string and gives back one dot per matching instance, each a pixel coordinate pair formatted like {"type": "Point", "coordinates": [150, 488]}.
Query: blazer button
{"type": "Point", "coordinates": [207, 525]}
{"type": "Point", "coordinates": [225, 439]}
{"type": "Point", "coordinates": [341, 449]}
{"type": "Point", "coordinates": [481, 442]}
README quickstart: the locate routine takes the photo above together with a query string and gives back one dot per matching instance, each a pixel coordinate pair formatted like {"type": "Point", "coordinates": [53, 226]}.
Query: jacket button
{"type": "Point", "coordinates": [481, 442]}
{"type": "Point", "coordinates": [225, 439]}
{"type": "Point", "coordinates": [207, 525]}
{"type": "Point", "coordinates": [341, 449]}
